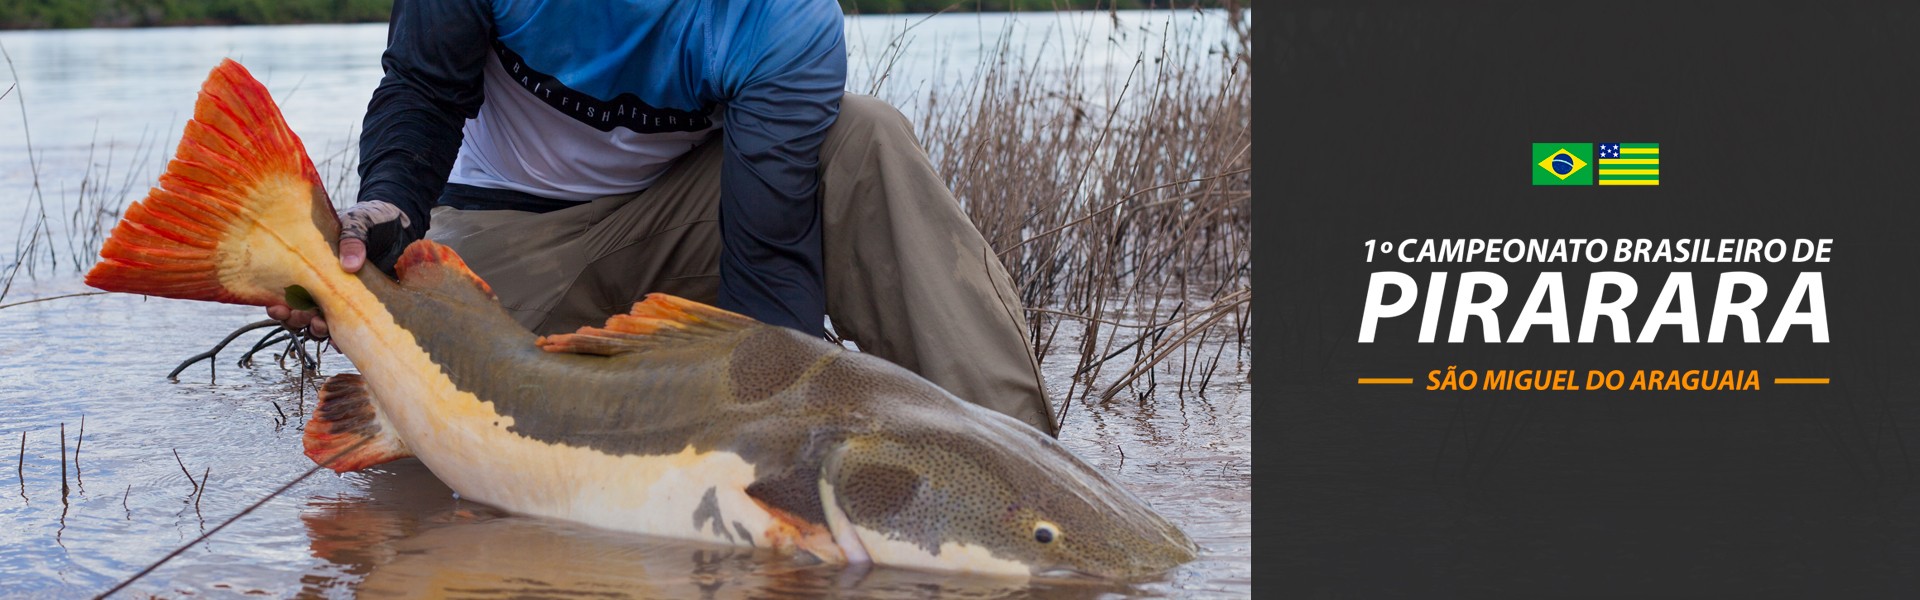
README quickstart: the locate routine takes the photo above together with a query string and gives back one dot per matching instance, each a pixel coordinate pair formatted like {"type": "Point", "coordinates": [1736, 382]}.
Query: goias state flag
{"type": "Point", "coordinates": [1629, 164]}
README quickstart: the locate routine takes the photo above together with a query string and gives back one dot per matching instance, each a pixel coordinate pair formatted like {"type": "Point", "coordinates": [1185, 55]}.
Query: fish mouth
{"type": "Point", "coordinates": [1067, 573]}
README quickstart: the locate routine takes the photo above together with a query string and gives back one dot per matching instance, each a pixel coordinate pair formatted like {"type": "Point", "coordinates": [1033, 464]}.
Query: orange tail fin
{"type": "Point", "coordinates": [239, 203]}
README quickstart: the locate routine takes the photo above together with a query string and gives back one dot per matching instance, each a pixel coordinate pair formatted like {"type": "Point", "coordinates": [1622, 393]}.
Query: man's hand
{"type": "Point", "coordinates": [298, 319]}
{"type": "Point", "coordinates": [357, 224]}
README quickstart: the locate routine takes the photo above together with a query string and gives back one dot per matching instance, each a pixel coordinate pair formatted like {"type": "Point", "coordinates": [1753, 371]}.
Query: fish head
{"type": "Point", "coordinates": [989, 495]}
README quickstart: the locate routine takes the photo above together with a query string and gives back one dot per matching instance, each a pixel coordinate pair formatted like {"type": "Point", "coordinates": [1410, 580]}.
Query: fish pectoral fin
{"type": "Point", "coordinates": [344, 418]}
{"type": "Point", "coordinates": [798, 536]}
{"type": "Point", "coordinates": [660, 318]}
{"type": "Point", "coordinates": [795, 491]}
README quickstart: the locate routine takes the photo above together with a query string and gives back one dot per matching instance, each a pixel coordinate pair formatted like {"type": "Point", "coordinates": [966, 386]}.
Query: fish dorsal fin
{"type": "Point", "coordinates": [427, 264]}
{"type": "Point", "coordinates": [660, 318]}
{"type": "Point", "coordinates": [344, 417]}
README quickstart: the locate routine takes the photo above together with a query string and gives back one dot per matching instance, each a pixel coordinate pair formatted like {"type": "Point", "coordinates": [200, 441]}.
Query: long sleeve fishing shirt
{"type": "Point", "coordinates": [538, 105]}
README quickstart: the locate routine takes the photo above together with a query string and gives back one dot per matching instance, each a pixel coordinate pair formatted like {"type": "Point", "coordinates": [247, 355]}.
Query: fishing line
{"type": "Point", "coordinates": [223, 524]}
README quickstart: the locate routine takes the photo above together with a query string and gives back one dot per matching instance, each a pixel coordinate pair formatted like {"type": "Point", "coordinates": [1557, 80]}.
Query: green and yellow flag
{"type": "Point", "coordinates": [1629, 164]}
{"type": "Point", "coordinates": [1562, 164]}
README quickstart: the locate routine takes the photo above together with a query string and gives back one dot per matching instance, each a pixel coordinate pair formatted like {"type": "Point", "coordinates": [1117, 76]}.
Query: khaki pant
{"type": "Point", "coordinates": [908, 278]}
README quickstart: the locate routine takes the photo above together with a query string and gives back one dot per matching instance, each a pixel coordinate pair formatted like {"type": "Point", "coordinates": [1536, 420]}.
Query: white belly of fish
{"type": "Point", "coordinates": [465, 442]}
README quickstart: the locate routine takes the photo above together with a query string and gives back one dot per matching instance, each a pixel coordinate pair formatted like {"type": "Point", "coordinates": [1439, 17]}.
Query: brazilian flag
{"type": "Point", "coordinates": [1563, 164]}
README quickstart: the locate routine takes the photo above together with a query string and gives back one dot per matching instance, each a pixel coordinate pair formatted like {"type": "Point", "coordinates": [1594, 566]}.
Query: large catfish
{"type": "Point", "coordinates": [678, 419]}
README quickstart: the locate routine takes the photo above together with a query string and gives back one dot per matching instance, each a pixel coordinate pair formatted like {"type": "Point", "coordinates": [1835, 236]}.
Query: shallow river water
{"type": "Point", "coordinates": [395, 530]}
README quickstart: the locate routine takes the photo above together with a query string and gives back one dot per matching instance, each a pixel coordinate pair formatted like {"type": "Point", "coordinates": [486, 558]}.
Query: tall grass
{"type": "Point", "coordinates": [1123, 211]}
{"type": "Point", "coordinates": [67, 229]}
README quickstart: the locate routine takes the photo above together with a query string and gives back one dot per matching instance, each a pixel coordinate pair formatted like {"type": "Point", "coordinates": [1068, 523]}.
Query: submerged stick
{"type": "Point", "coordinates": [77, 477]}
{"type": "Point", "coordinates": [175, 375]}
{"type": "Point", "coordinates": [246, 360]}
{"type": "Point", "coordinates": [298, 347]}
{"type": "Point", "coordinates": [184, 471]}
{"type": "Point", "coordinates": [63, 463]}
{"type": "Point", "coordinates": [243, 512]}
{"type": "Point", "coordinates": [203, 489]}
{"type": "Point", "coordinates": [6, 306]}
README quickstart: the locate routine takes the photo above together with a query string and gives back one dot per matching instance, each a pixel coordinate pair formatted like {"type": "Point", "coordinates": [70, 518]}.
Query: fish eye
{"type": "Point", "coordinates": [1045, 532]}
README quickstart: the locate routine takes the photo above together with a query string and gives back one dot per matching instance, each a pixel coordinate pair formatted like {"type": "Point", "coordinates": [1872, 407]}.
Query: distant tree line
{"type": "Point", "coordinates": [41, 14]}
{"type": "Point", "coordinates": [44, 14]}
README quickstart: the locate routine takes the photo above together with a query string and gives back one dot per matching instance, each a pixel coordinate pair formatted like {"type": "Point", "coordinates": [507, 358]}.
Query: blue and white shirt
{"type": "Point", "coordinates": [541, 104]}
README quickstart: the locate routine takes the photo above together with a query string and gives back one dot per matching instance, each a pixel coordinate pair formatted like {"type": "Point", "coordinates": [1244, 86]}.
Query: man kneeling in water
{"type": "Point", "coordinates": [580, 155]}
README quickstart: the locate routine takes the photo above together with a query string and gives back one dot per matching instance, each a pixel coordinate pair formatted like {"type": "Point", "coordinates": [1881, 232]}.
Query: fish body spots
{"type": "Point", "coordinates": [948, 556]}
{"type": "Point", "coordinates": [866, 544]}
{"type": "Point", "coordinates": [745, 535]}
{"type": "Point", "coordinates": [987, 496]}
{"type": "Point", "coordinates": [709, 511]}
{"type": "Point", "coordinates": [772, 360]}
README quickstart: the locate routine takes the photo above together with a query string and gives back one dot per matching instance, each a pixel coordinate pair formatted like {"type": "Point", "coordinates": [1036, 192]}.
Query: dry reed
{"type": "Point", "coordinates": [91, 211]}
{"type": "Point", "coordinates": [63, 463]}
{"type": "Point", "coordinates": [1123, 211]}
{"type": "Point", "coordinates": [20, 468]}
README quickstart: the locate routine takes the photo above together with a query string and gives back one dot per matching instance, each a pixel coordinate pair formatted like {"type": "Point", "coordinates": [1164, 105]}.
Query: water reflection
{"type": "Point", "coordinates": [407, 537]}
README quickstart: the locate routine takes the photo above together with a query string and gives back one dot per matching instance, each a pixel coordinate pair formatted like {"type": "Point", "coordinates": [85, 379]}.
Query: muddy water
{"type": "Point", "coordinates": [396, 530]}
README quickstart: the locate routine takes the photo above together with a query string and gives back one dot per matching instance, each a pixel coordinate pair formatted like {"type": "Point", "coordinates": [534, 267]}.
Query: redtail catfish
{"type": "Point", "coordinates": [678, 419]}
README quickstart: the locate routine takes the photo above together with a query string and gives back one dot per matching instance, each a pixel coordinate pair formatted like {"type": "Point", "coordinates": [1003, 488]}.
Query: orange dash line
{"type": "Point", "coordinates": [1386, 380]}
